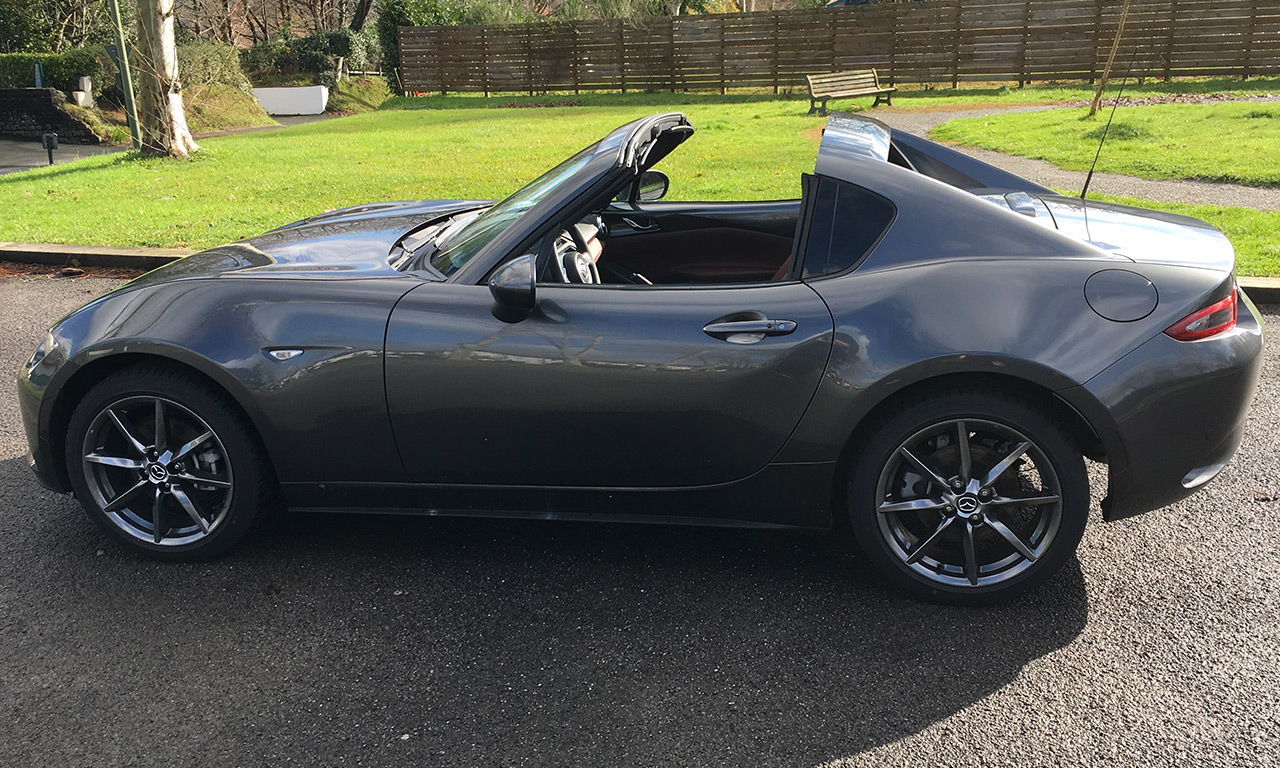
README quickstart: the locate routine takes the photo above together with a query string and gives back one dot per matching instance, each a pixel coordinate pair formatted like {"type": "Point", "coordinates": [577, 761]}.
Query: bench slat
{"type": "Point", "coordinates": [858, 82]}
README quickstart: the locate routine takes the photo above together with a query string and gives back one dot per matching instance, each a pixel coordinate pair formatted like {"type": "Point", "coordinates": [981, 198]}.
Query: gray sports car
{"type": "Point", "coordinates": [921, 350]}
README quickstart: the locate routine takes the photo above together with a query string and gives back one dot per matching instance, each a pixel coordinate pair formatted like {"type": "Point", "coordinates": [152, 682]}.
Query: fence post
{"type": "Point", "coordinates": [1026, 32]}
{"type": "Point", "coordinates": [1166, 58]}
{"type": "Point", "coordinates": [622, 56]}
{"type": "Point", "coordinates": [1093, 43]}
{"type": "Point", "coordinates": [484, 58]}
{"type": "Point", "coordinates": [893, 45]}
{"type": "Point", "coordinates": [530, 63]}
{"type": "Point", "coordinates": [955, 47]}
{"type": "Point", "coordinates": [671, 52]}
{"type": "Point", "coordinates": [777, 31]}
{"type": "Point", "coordinates": [577, 59]}
{"type": "Point", "coordinates": [831, 41]}
{"type": "Point", "coordinates": [440, 61]}
{"type": "Point", "coordinates": [723, 80]}
{"type": "Point", "coordinates": [1248, 45]}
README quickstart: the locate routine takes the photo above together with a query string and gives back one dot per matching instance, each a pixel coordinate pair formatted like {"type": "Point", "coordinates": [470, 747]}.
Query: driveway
{"type": "Point", "coordinates": [23, 155]}
{"type": "Point", "coordinates": [397, 641]}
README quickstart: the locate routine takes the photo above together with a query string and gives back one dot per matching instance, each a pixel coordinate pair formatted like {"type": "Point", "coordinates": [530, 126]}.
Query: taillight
{"type": "Point", "coordinates": [1210, 321]}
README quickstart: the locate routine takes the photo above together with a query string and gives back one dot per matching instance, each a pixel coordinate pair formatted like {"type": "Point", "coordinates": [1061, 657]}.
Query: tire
{"type": "Point", "coordinates": [205, 476]}
{"type": "Point", "coordinates": [972, 543]}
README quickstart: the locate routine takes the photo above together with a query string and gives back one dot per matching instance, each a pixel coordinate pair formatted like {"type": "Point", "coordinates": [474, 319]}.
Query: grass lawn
{"type": "Point", "coordinates": [909, 97]}
{"type": "Point", "coordinates": [1235, 142]}
{"type": "Point", "coordinates": [222, 107]}
{"type": "Point", "coordinates": [1042, 93]}
{"type": "Point", "coordinates": [242, 185]}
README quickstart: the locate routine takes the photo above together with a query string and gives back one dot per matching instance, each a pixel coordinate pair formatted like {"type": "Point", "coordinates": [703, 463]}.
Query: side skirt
{"type": "Point", "coordinates": [779, 496]}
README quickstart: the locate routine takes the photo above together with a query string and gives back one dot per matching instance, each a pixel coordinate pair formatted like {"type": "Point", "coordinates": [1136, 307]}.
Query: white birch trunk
{"type": "Point", "coordinates": [161, 118]}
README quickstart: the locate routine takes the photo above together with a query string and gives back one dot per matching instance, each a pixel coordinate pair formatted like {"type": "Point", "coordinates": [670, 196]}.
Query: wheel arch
{"type": "Point", "coordinates": [94, 369]}
{"type": "Point", "coordinates": [1081, 429]}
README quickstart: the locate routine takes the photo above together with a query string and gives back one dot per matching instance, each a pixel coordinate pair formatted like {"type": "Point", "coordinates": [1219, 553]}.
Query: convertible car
{"type": "Point", "coordinates": [921, 350]}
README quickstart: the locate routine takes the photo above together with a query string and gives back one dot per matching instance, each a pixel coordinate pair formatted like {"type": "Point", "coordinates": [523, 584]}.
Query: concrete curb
{"type": "Point", "coordinates": [1263, 290]}
{"type": "Point", "coordinates": [89, 255]}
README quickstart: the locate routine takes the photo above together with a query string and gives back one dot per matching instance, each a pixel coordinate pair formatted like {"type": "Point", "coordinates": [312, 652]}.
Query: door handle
{"type": "Point", "coordinates": [748, 331]}
{"type": "Point", "coordinates": [635, 227]}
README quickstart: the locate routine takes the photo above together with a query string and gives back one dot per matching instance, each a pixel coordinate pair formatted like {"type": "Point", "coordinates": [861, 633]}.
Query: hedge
{"type": "Point", "coordinates": [61, 70]}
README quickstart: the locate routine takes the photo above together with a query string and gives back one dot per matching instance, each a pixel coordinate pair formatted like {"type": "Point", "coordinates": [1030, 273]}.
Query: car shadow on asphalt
{"type": "Point", "coordinates": [502, 641]}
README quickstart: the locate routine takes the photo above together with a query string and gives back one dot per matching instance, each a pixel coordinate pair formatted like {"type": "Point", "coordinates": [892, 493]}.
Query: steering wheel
{"type": "Point", "coordinates": [572, 254]}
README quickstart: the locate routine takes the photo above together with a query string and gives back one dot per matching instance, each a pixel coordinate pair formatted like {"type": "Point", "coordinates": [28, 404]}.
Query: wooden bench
{"type": "Point", "coordinates": [843, 85]}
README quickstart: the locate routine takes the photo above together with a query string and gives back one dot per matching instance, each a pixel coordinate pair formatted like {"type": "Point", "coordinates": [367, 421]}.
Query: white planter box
{"type": "Point", "coordinates": [302, 100]}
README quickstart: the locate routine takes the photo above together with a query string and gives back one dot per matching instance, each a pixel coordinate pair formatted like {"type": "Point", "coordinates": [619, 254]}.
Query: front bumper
{"type": "Point", "coordinates": [1180, 410]}
{"type": "Point", "coordinates": [33, 381]}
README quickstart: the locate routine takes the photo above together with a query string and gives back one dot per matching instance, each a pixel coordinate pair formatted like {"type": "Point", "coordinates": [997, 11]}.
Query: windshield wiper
{"type": "Point", "coordinates": [411, 248]}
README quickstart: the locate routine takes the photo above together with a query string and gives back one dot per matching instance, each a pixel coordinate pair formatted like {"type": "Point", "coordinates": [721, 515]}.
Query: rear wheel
{"type": "Point", "coordinates": [967, 497]}
{"type": "Point", "coordinates": [165, 464]}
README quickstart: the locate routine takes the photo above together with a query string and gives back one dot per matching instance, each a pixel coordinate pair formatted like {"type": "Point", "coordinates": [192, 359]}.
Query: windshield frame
{"type": "Point", "coordinates": [462, 245]}
{"type": "Point", "coordinates": [606, 162]}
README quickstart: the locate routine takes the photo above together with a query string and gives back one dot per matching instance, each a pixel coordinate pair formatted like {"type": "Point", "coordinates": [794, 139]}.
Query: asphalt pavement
{"type": "Point", "coordinates": [398, 641]}
{"type": "Point", "coordinates": [25, 154]}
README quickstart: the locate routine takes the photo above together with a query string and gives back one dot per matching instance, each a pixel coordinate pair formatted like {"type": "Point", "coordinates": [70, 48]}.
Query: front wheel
{"type": "Point", "coordinates": [968, 498]}
{"type": "Point", "coordinates": [163, 462]}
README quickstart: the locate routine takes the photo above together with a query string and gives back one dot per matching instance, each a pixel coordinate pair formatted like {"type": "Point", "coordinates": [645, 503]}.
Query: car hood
{"type": "Point", "coordinates": [348, 243]}
{"type": "Point", "coordinates": [1143, 235]}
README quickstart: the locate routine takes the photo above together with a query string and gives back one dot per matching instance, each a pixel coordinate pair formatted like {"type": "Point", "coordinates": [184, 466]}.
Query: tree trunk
{"type": "Point", "coordinates": [1111, 58]}
{"type": "Point", "coordinates": [162, 121]}
{"type": "Point", "coordinates": [360, 15]}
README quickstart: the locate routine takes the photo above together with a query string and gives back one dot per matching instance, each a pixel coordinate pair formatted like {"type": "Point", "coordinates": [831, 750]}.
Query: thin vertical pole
{"type": "Point", "coordinates": [126, 76]}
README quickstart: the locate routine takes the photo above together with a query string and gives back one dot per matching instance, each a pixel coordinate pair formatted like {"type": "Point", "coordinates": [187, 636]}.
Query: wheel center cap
{"type": "Point", "coordinates": [156, 473]}
{"type": "Point", "coordinates": [968, 504]}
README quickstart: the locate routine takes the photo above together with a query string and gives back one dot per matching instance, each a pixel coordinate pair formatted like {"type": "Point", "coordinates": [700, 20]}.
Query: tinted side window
{"type": "Point", "coordinates": [847, 223]}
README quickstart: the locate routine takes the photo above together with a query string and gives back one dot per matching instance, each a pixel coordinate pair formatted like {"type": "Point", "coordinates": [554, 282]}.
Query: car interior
{"type": "Point", "coordinates": [640, 239]}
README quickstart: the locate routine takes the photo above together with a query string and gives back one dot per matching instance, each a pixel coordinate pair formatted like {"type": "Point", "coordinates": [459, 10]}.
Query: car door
{"type": "Point", "coordinates": [602, 386]}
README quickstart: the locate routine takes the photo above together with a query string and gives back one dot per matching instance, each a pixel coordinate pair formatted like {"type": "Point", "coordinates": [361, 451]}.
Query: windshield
{"type": "Point", "coordinates": [466, 243]}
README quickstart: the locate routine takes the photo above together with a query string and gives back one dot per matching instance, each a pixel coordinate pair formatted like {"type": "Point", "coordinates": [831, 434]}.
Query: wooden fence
{"type": "Point", "coordinates": [935, 41]}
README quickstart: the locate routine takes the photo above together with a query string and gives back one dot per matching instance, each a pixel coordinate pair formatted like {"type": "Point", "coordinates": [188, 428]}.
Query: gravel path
{"type": "Point", "coordinates": [397, 641]}
{"type": "Point", "coordinates": [1199, 192]}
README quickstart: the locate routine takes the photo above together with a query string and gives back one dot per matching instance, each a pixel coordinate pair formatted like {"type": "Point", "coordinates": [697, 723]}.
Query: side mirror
{"type": "Point", "coordinates": [512, 287]}
{"type": "Point", "coordinates": [652, 186]}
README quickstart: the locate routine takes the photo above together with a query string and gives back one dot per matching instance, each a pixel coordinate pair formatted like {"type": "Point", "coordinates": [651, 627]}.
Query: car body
{"type": "Point", "coordinates": [583, 350]}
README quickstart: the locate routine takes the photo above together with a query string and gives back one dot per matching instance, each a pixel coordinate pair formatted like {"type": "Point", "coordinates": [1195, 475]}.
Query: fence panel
{"type": "Point", "coordinates": [935, 41]}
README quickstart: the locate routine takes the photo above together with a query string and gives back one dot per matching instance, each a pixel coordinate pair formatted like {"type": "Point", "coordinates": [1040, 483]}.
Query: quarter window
{"type": "Point", "coordinates": [847, 223]}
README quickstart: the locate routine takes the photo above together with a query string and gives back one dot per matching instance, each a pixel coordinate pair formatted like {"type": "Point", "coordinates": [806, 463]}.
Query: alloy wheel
{"type": "Point", "coordinates": [157, 471]}
{"type": "Point", "coordinates": [968, 503]}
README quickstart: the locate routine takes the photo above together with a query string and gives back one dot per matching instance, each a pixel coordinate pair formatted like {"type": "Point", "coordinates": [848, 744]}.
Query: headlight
{"type": "Point", "coordinates": [49, 344]}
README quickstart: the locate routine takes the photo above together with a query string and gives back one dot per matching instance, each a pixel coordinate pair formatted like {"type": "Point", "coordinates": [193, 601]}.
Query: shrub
{"type": "Point", "coordinates": [366, 50]}
{"type": "Point", "coordinates": [203, 64]}
{"type": "Point", "coordinates": [61, 70]}
{"type": "Point", "coordinates": [315, 55]}
{"type": "Point", "coordinates": [409, 13]}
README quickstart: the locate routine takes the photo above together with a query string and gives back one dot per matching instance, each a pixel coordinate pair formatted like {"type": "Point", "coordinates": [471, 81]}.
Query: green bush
{"type": "Point", "coordinates": [411, 13]}
{"type": "Point", "coordinates": [315, 55]}
{"type": "Point", "coordinates": [204, 63]}
{"type": "Point", "coordinates": [61, 70]}
{"type": "Point", "coordinates": [366, 50]}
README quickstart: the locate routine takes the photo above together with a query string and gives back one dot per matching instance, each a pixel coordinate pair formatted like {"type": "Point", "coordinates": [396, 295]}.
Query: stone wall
{"type": "Point", "coordinates": [29, 113]}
